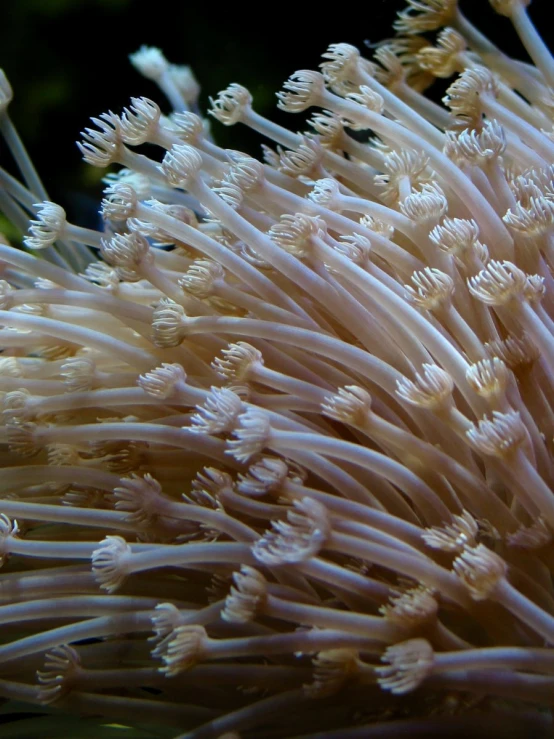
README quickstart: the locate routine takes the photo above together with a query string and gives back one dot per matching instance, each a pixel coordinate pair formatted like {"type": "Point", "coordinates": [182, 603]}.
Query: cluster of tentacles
{"type": "Point", "coordinates": [277, 442]}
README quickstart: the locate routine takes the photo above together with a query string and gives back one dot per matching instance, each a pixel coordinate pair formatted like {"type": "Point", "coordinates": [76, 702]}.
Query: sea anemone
{"type": "Point", "coordinates": [277, 440]}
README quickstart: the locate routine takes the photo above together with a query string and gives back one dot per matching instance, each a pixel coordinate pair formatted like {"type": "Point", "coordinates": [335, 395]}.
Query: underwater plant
{"type": "Point", "coordinates": [278, 438]}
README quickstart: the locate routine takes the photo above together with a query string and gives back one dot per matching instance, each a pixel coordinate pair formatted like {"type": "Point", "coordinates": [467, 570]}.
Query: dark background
{"type": "Point", "coordinates": [67, 61]}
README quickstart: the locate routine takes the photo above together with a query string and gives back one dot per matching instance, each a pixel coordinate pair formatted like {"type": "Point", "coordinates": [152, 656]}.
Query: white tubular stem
{"type": "Point", "coordinates": [137, 621]}
{"type": "Point", "coordinates": [22, 158]}
{"type": "Point", "coordinates": [265, 288]}
{"type": "Point", "coordinates": [420, 568]}
{"type": "Point", "coordinates": [41, 268]}
{"type": "Point", "coordinates": [66, 514]}
{"type": "Point", "coordinates": [149, 432]}
{"type": "Point", "coordinates": [75, 606]}
{"type": "Point", "coordinates": [77, 335]}
{"type": "Point", "coordinates": [534, 45]}
{"type": "Point", "coordinates": [491, 224]}
{"type": "Point", "coordinates": [421, 495]}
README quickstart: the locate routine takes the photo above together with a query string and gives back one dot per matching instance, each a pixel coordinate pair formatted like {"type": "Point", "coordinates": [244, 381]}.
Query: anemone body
{"type": "Point", "coordinates": [277, 441]}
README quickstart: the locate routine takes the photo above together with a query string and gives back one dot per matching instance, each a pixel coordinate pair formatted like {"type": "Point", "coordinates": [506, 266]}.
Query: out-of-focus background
{"type": "Point", "coordinates": [67, 60]}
